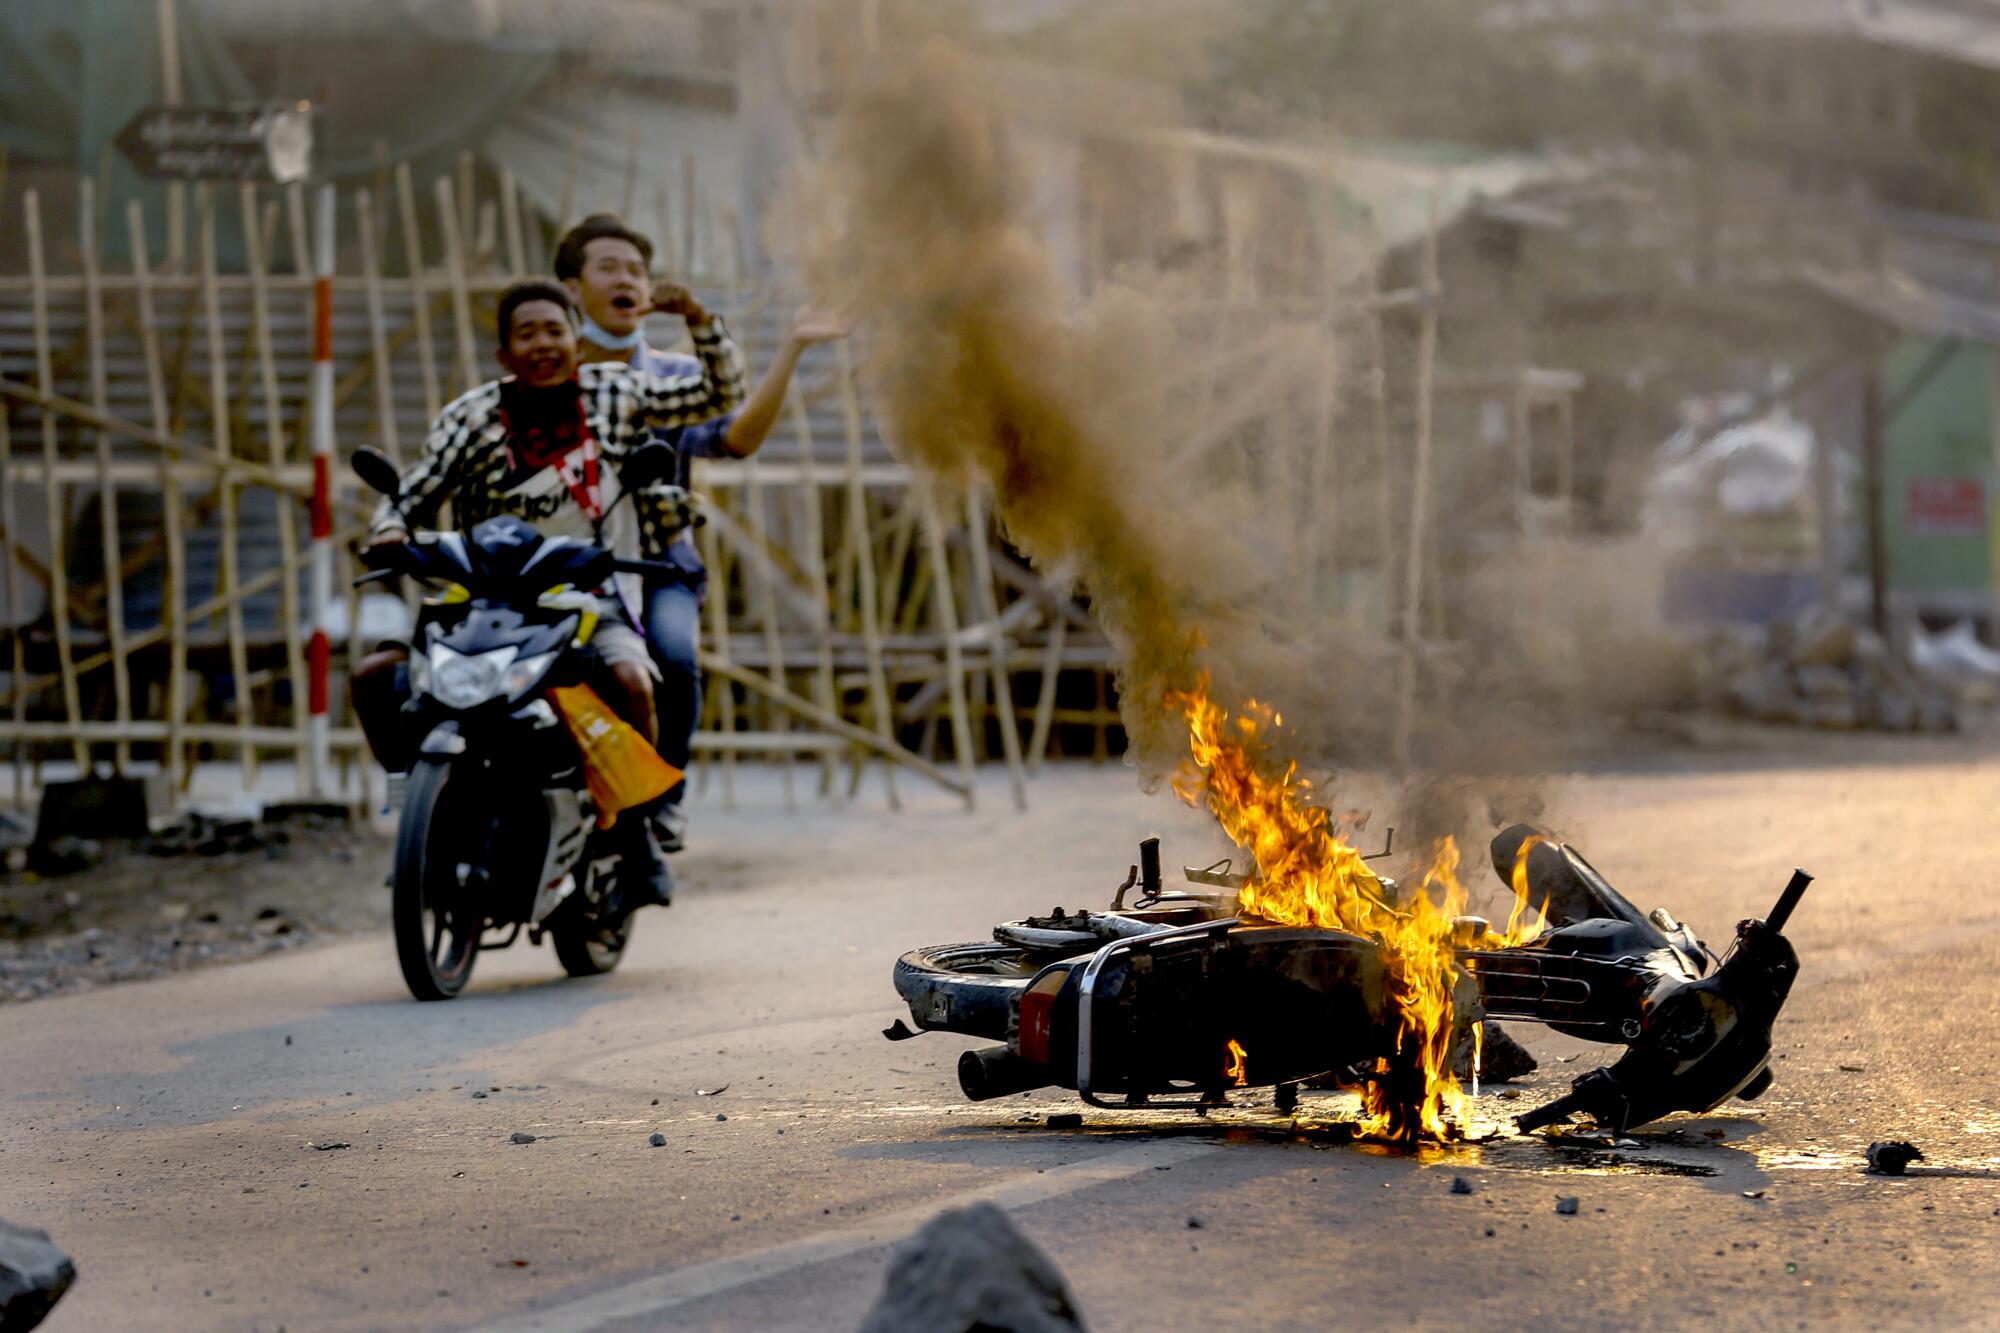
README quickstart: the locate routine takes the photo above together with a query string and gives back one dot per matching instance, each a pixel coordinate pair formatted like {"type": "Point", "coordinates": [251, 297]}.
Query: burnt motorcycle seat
{"type": "Point", "coordinates": [1574, 889]}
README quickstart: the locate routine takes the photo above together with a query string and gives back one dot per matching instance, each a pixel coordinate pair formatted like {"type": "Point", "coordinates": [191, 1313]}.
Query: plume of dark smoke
{"type": "Point", "coordinates": [988, 368]}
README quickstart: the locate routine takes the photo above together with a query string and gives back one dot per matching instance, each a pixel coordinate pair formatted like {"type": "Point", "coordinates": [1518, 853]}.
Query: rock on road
{"type": "Point", "coordinates": [294, 1142]}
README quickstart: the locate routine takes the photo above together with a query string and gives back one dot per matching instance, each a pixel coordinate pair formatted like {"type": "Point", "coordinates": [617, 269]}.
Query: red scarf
{"type": "Point", "coordinates": [543, 424]}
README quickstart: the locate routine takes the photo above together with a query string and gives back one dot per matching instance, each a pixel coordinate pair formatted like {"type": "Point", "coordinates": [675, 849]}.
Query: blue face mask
{"type": "Point", "coordinates": [595, 333]}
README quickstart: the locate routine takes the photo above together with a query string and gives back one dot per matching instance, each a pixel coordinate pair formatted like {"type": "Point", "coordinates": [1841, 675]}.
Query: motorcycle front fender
{"type": "Point", "coordinates": [444, 743]}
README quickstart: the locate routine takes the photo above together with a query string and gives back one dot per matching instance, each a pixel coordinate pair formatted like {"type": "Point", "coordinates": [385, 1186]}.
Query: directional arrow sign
{"type": "Point", "coordinates": [235, 143]}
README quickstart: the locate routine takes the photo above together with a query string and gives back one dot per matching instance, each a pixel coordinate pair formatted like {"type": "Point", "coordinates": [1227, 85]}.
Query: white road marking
{"type": "Point", "coordinates": [664, 1291]}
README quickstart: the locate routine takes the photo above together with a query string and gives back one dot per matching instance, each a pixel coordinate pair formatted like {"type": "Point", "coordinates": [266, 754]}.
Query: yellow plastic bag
{"type": "Point", "coordinates": [622, 770]}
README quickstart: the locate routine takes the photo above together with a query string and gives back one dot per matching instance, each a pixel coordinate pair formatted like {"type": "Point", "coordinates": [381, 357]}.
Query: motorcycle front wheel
{"type": "Point", "coordinates": [437, 840]}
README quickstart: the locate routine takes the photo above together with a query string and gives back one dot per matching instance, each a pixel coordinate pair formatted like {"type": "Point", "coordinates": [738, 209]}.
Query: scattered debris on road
{"type": "Point", "coordinates": [1892, 1157]}
{"type": "Point", "coordinates": [34, 1274]}
{"type": "Point", "coordinates": [331, 1145]}
{"type": "Point", "coordinates": [972, 1268]}
{"type": "Point", "coordinates": [658, 1140]}
{"type": "Point", "coordinates": [1066, 1120]}
{"type": "Point", "coordinates": [519, 1137]}
{"type": "Point", "coordinates": [711, 1092]}
{"type": "Point", "coordinates": [1567, 1205]}
{"type": "Point", "coordinates": [1460, 1185]}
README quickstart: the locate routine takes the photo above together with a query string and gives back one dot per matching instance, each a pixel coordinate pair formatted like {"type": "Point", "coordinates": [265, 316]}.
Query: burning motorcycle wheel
{"type": "Point", "coordinates": [437, 937]}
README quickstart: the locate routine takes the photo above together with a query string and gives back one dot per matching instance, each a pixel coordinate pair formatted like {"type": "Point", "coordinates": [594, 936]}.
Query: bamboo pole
{"type": "Point", "coordinates": [1385, 481]}
{"type": "Point", "coordinates": [767, 610]}
{"type": "Point", "coordinates": [257, 259]}
{"type": "Point", "coordinates": [858, 540]}
{"type": "Point", "coordinates": [107, 491]}
{"type": "Point", "coordinates": [718, 635]}
{"type": "Point", "coordinates": [467, 194]}
{"type": "Point", "coordinates": [58, 512]}
{"type": "Point", "coordinates": [510, 224]}
{"type": "Point", "coordinates": [1420, 483]}
{"type": "Point", "coordinates": [813, 538]}
{"type": "Point", "coordinates": [18, 664]}
{"type": "Point", "coordinates": [630, 198]}
{"type": "Point", "coordinates": [690, 210]}
{"type": "Point", "coordinates": [461, 304]}
{"type": "Point", "coordinates": [378, 339]}
{"type": "Point", "coordinates": [567, 213]}
{"type": "Point", "coordinates": [1524, 463]}
{"type": "Point", "coordinates": [663, 218]}
{"type": "Point", "coordinates": [1324, 496]}
{"type": "Point", "coordinates": [218, 374]}
{"type": "Point", "coordinates": [954, 661]}
{"type": "Point", "coordinates": [173, 593]}
{"type": "Point", "coordinates": [757, 512]}
{"type": "Point", "coordinates": [420, 304]}
{"type": "Point", "coordinates": [1045, 702]}
{"type": "Point", "coordinates": [988, 599]}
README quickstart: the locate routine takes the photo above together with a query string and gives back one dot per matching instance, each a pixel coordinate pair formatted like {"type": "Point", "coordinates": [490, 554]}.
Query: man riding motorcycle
{"type": "Point", "coordinates": [545, 444]}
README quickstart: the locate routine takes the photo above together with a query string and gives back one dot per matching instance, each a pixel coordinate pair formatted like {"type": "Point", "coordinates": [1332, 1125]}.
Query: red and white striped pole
{"type": "Point", "coordinates": [319, 587]}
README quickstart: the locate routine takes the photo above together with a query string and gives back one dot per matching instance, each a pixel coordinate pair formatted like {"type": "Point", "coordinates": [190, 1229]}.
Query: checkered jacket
{"type": "Point", "coordinates": [466, 458]}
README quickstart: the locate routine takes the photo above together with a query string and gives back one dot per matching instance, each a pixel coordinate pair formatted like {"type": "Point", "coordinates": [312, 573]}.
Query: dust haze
{"type": "Point", "coordinates": [1202, 475]}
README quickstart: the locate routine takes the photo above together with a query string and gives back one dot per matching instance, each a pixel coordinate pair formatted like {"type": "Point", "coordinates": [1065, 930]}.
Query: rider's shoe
{"type": "Point", "coordinates": [644, 877]}
{"type": "Point", "coordinates": [670, 828]}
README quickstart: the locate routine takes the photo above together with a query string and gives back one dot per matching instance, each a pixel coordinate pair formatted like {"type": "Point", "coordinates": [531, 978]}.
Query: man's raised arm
{"type": "Point", "coordinates": [686, 400]}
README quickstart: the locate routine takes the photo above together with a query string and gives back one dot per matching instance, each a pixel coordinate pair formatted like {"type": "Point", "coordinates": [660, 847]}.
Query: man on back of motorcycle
{"type": "Point", "coordinates": [605, 265]}
{"type": "Point", "coordinates": [545, 444]}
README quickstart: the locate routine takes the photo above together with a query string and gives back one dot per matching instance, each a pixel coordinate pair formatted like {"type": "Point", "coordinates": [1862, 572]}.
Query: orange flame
{"type": "Point", "coordinates": [1308, 875]}
{"type": "Point", "coordinates": [1238, 1068]}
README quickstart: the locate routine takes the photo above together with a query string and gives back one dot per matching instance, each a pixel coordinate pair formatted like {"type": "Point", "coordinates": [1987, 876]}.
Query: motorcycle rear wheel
{"type": "Point", "coordinates": [437, 934]}
{"type": "Point", "coordinates": [968, 988]}
{"type": "Point", "coordinates": [583, 946]}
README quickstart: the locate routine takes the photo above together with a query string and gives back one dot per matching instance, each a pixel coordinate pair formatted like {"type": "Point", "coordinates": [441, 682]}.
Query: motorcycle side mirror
{"type": "Point", "coordinates": [648, 464]}
{"type": "Point", "coordinates": [375, 469]}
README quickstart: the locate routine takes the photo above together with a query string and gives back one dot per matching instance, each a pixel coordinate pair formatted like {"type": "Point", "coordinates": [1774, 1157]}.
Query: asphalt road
{"type": "Point", "coordinates": [166, 1131]}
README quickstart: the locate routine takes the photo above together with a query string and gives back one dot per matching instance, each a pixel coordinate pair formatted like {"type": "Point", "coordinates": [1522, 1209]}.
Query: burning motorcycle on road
{"type": "Point", "coordinates": [1177, 999]}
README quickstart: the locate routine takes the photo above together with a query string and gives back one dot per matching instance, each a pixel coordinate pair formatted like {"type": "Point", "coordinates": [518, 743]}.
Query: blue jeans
{"type": "Point", "coordinates": [673, 630]}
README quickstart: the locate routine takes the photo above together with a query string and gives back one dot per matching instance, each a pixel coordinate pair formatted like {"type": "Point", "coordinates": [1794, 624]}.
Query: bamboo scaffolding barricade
{"type": "Point", "coordinates": [830, 634]}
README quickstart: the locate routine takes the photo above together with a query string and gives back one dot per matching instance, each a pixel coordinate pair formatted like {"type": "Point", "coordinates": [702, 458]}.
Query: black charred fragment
{"type": "Point", "coordinates": [1892, 1157]}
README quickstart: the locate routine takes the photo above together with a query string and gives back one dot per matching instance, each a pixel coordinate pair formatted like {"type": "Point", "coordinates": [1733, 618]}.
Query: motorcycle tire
{"type": "Point", "coordinates": [969, 988]}
{"type": "Point", "coordinates": [583, 946]}
{"type": "Point", "coordinates": [435, 944]}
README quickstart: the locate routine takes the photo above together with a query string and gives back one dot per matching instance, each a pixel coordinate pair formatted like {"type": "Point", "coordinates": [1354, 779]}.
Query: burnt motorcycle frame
{"type": "Point", "coordinates": [1145, 1020]}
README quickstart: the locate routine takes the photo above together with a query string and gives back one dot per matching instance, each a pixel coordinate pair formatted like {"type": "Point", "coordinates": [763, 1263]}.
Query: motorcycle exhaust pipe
{"type": "Point", "coordinates": [998, 1072]}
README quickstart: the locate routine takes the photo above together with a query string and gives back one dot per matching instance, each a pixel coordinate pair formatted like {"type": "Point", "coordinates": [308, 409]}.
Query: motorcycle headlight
{"type": "Point", "coordinates": [461, 681]}
{"type": "Point", "coordinates": [527, 672]}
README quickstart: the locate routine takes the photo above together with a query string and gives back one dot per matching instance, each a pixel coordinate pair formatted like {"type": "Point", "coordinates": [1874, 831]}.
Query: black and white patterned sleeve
{"type": "Point", "coordinates": [430, 480]}
{"type": "Point", "coordinates": [663, 402]}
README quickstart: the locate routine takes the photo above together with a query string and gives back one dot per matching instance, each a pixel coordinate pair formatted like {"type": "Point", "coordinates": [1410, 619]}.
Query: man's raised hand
{"type": "Point", "coordinates": [672, 298]}
{"type": "Point", "coordinates": [819, 324]}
